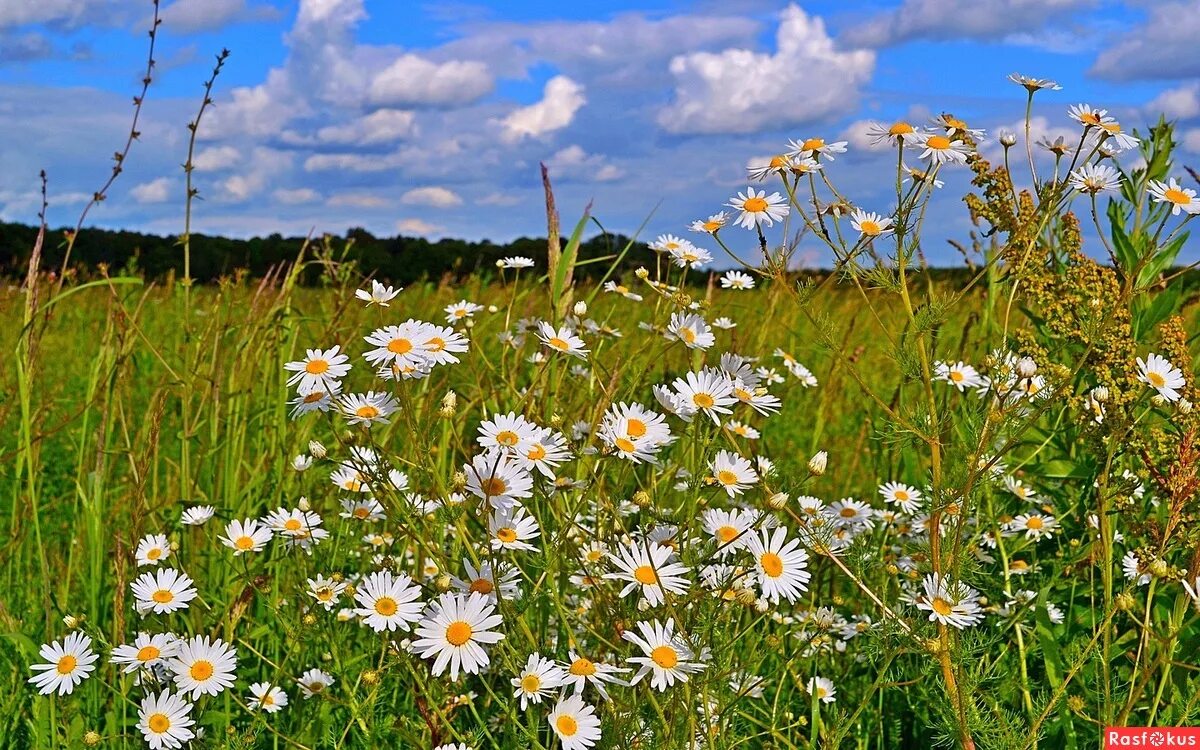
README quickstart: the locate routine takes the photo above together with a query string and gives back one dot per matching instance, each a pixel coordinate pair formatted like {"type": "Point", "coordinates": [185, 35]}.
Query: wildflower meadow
{"type": "Point", "coordinates": [714, 502]}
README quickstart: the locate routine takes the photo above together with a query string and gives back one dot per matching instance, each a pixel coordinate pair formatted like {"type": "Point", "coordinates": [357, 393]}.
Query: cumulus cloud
{"type": "Point", "coordinates": [432, 196]}
{"type": "Point", "coordinates": [295, 197]}
{"type": "Point", "coordinates": [573, 162]}
{"type": "Point", "coordinates": [359, 200]}
{"type": "Point", "coordinates": [382, 126]}
{"type": "Point", "coordinates": [191, 16]}
{"type": "Point", "coordinates": [950, 19]}
{"type": "Point", "coordinates": [68, 13]}
{"type": "Point", "coordinates": [741, 91]}
{"type": "Point", "coordinates": [154, 191]}
{"type": "Point", "coordinates": [561, 99]}
{"type": "Point", "coordinates": [413, 81]}
{"type": "Point", "coordinates": [1162, 47]}
{"type": "Point", "coordinates": [1180, 103]}
{"type": "Point", "coordinates": [417, 226]}
{"type": "Point", "coordinates": [216, 158]}
{"type": "Point", "coordinates": [498, 199]}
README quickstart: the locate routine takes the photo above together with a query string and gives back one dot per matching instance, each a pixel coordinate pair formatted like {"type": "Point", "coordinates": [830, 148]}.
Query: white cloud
{"type": "Point", "coordinates": [855, 134]}
{"type": "Point", "coordinates": [433, 196]}
{"type": "Point", "coordinates": [190, 16]}
{"type": "Point", "coordinates": [413, 81]}
{"type": "Point", "coordinates": [1163, 47]}
{"type": "Point", "coordinates": [69, 13]}
{"type": "Point", "coordinates": [154, 191]}
{"type": "Point", "coordinates": [950, 19]}
{"type": "Point", "coordinates": [573, 162]}
{"type": "Point", "coordinates": [417, 226]}
{"type": "Point", "coordinates": [216, 158]}
{"type": "Point", "coordinates": [1191, 140]}
{"type": "Point", "coordinates": [263, 165]}
{"type": "Point", "coordinates": [498, 199]}
{"type": "Point", "coordinates": [295, 197]}
{"type": "Point", "coordinates": [1180, 103]}
{"type": "Point", "coordinates": [741, 91]}
{"type": "Point", "coordinates": [561, 99]}
{"type": "Point", "coordinates": [358, 200]}
{"type": "Point", "coordinates": [383, 126]}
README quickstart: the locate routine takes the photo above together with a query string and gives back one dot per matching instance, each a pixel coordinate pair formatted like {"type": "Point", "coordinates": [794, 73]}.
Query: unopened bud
{"type": "Point", "coordinates": [1185, 406]}
{"type": "Point", "coordinates": [316, 449]}
{"type": "Point", "coordinates": [449, 404]}
{"type": "Point", "coordinates": [443, 582]}
{"type": "Point", "coordinates": [1159, 568]}
{"type": "Point", "coordinates": [1125, 601]}
{"type": "Point", "coordinates": [778, 501]}
{"type": "Point", "coordinates": [580, 308]}
{"type": "Point", "coordinates": [818, 463]}
{"type": "Point", "coordinates": [642, 273]}
{"type": "Point", "coordinates": [71, 621]}
{"type": "Point", "coordinates": [1100, 394]}
{"type": "Point", "coordinates": [309, 619]}
{"type": "Point", "coordinates": [641, 499]}
{"type": "Point", "coordinates": [91, 738]}
{"type": "Point", "coordinates": [1007, 139]}
{"type": "Point", "coordinates": [304, 505]}
{"type": "Point", "coordinates": [1026, 367]}
{"type": "Point", "coordinates": [370, 677]}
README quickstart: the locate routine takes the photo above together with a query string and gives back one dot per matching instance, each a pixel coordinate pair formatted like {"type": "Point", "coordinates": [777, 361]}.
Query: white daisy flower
{"type": "Point", "coordinates": [67, 664]}
{"type": "Point", "coordinates": [246, 536]}
{"type": "Point", "coordinates": [711, 225]}
{"type": "Point", "coordinates": [510, 528]}
{"type": "Point", "coordinates": [950, 603]}
{"type": "Point", "coordinates": [668, 658]}
{"type": "Point", "coordinates": [538, 679]}
{"type": "Point", "coordinates": [497, 478]}
{"type": "Point", "coordinates": [152, 549]}
{"type": "Point", "coordinates": [453, 632]}
{"type": "Point", "coordinates": [692, 330]}
{"type": "Point", "coordinates": [939, 149]}
{"type": "Point", "coordinates": [197, 516]}
{"type": "Point", "coordinates": [203, 667]}
{"type": "Point", "coordinates": [163, 591]}
{"type": "Point", "coordinates": [146, 651]}
{"type": "Point", "coordinates": [1174, 195]}
{"type": "Point", "coordinates": [575, 723]}
{"type": "Point", "coordinates": [648, 570]}
{"type": "Point", "coordinates": [580, 671]}
{"type": "Point", "coordinates": [165, 720]}
{"type": "Point", "coordinates": [379, 295]}
{"type": "Point", "coordinates": [314, 682]}
{"type": "Point", "coordinates": [562, 339]}
{"type": "Point", "coordinates": [268, 697]}
{"type": "Point", "coordinates": [460, 311]}
{"type": "Point", "coordinates": [960, 375]}
{"type": "Point", "coordinates": [757, 208]}
{"type": "Point", "coordinates": [325, 590]}
{"type": "Point", "coordinates": [870, 224]}
{"type": "Point", "coordinates": [1161, 375]}
{"type": "Point", "coordinates": [387, 601]}
{"type": "Point", "coordinates": [709, 391]}
{"type": "Point", "coordinates": [732, 472]}
{"type": "Point", "coordinates": [1094, 179]}
{"type": "Point", "coordinates": [781, 565]}
{"type": "Point", "coordinates": [320, 370]}
{"type": "Point", "coordinates": [904, 496]}
{"type": "Point", "coordinates": [821, 688]}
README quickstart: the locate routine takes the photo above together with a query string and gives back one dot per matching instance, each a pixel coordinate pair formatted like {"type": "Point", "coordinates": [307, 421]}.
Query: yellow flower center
{"type": "Point", "coordinates": [1090, 118]}
{"type": "Point", "coordinates": [559, 344]}
{"type": "Point", "coordinates": [1156, 380]}
{"type": "Point", "coordinates": [812, 144]}
{"type": "Point", "coordinates": [507, 535]}
{"type": "Point", "coordinates": [779, 160]}
{"type": "Point", "coordinates": [727, 477]}
{"type": "Point", "coordinates": [566, 725]}
{"type": "Point", "coordinates": [901, 128]}
{"type": "Point", "coordinates": [1035, 523]}
{"type": "Point", "coordinates": [316, 367]}
{"type": "Point", "coordinates": [941, 606]}
{"type": "Point", "coordinates": [727, 534]}
{"type": "Point", "coordinates": [688, 335]}
{"type": "Point", "coordinates": [582, 667]}
{"type": "Point", "coordinates": [158, 723]}
{"type": "Point", "coordinates": [148, 653]}
{"type": "Point", "coordinates": [938, 142]}
{"type": "Point", "coordinates": [957, 376]}
{"type": "Point", "coordinates": [635, 428]}
{"type": "Point", "coordinates": [494, 487]}
{"type": "Point", "coordinates": [772, 564]}
{"type": "Point", "coordinates": [531, 683]}
{"type": "Point", "coordinates": [507, 437]}
{"type": "Point", "coordinates": [901, 496]}
{"type": "Point", "coordinates": [1175, 195]}
{"type": "Point", "coordinates": [712, 226]}
{"type": "Point", "coordinates": [458, 633]}
{"type": "Point", "coordinates": [66, 665]}
{"type": "Point", "coordinates": [703, 400]}
{"type": "Point", "coordinates": [665, 657]}
{"type": "Point", "coordinates": [244, 543]}
{"type": "Point", "coordinates": [366, 411]}
{"type": "Point", "coordinates": [267, 700]}
{"type": "Point", "coordinates": [201, 670]}
{"type": "Point", "coordinates": [435, 344]}
{"type": "Point", "coordinates": [386, 606]}
{"type": "Point", "coordinates": [163, 596]}
{"type": "Point", "coordinates": [314, 397]}
{"type": "Point", "coordinates": [754, 205]}
{"type": "Point", "coordinates": [399, 346]}
{"type": "Point", "coordinates": [154, 553]}
{"type": "Point", "coordinates": [536, 453]}
{"type": "Point", "coordinates": [870, 228]}
{"type": "Point", "coordinates": [481, 586]}
{"type": "Point", "coordinates": [625, 446]}
{"type": "Point", "coordinates": [292, 524]}
{"type": "Point", "coordinates": [848, 512]}
{"type": "Point", "coordinates": [645, 575]}
{"type": "Point", "coordinates": [362, 513]}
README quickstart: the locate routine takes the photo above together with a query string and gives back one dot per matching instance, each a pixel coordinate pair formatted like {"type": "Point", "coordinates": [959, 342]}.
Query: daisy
{"type": "Point", "coordinates": [760, 169]}
{"type": "Point", "coordinates": [898, 132]}
{"type": "Point", "coordinates": [517, 261]}
{"type": "Point", "coordinates": [961, 375]}
{"type": "Point", "coordinates": [575, 723]}
{"type": "Point", "coordinates": [870, 224]}
{"type": "Point", "coordinates": [950, 603]}
{"type": "Point", "coordinates": [709, 391]}
{"type": "Point", "coordinates": [728, 528]}
{"type": "Point", "coordinates": [146, 651]}
{"type": "Point", "coordinates": [1161, 375]}
{"type": "Point", "coordinates": [504, 581]}
{"type": "Point", "coordinates": [668, 659]}
{"type": "Point", "coordinates": [851, 513]}
{"type": "Point", "coordinates": [366, 509]}
{"type": "Point", "coordinates": [1113, 136]}
{"type": "Point", "coordinates": [325, 590]}
{"type": "Point", "coordinates": [1034, 84]}
{"type": "Point", "coordinates": [1094, 179]}
{"type": "Point", "coordinates": [822, 689]}
{"type": "Point", "coordinates": [509, 528]}
{"type": "Point", "coordinates": [711, 225]}
{"type": "Point", "coordinates": [816, 148]}
{"type": "Point", "coordinates": [581, 670]}
{"type": "Point", "coordinates": [268, 697]}
{"type": "Point", "coordinates": [732, 472]}
{"type": "Point", "coordinates": [781, 565]}
{"type": "Point", "coordinates": [668, 243]}
{"type": "Point", "coordinates": [197, 516]}
{"type": "Point", "coordinates": [497, 478]}
{"type": "Point", "coordinates": [505, 431]}
{"type": "Point", "coordinates": [648, 570]}
{"type": "Point", "coordinates": [313, 401]}
{"type": "Point", "coordinates": [379, 295]}
{"type": "Point", "coordinates": [907, 498]}
{"type": "Point", "coordinates": [691, 330]}
{"type": "Point", "coordinates": [165, 720]}
{"type": "Point", "coordinates": [368, 408]}
{"type": "Point", "coordinates": [615, 288]}
{"type": "Point", "coordinates": [545, 451]}
{"type": "Point", "coordinates": [737, 280]}
{"type": "Point", "coordinates": [398, 346]}
{"type": "Point", "coordinates": [954, 126]}
{"type": "Point", "coordinates": [939, 149]}
{"type": "Point", "coordinates": [152, 550]}
{"type": "Point", "coordinates": [387, 602]}
{"type": "Point", "coordinates": [1034, 525]}
{"type": "Point", "coordinates": [758, 208]}
{"type": "Point", "coordinates": [246, 536]}
{"type": "Point", "coordinates": [441, 343]}
{"type": "Point", "coordinates": [742, 430]}
{"type": "Point", "coordinates": [313, 682]}
{"type": "Point", "coordinates": [302, 462]}
{"type": "Point", "coordinates": [460, 311]}
{"type": "Point", "coordinates": [1174, 194]}
{"type": "Point", "coordinates": [202, 667]}
{"type": "Point", "coordinates": [1020, 489]}
{"type": "Point", "coordinates": [163, 590]}
{"type": "Point", "coordinates": [562, 339]}
{"type": "Point", "coordinates": [537, 680]}
{"type": "Point", "coordinates": [724, 323]}
{"type": "Point", "coordinates": [67, 664]}
{"type": "Point", "coordinates": [320, 370]}
{"type": "Point", "coordinates": [690, 256]}
{"type": "Point", "coordinates": [453, 632]}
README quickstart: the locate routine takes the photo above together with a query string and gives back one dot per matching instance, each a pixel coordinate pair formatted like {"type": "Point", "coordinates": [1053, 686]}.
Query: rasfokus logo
{"type": "Point", "coordinates": [1164, 737]}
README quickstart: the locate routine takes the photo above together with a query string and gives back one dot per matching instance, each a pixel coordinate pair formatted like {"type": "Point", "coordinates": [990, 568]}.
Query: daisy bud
{"type": "Point", "coordinates": [778, 501]}
{"type": "Point", "coordinates": [309, 619]}
{"type": "Point", "coordinates": [370, 677]}
{"type": "Point", "coordinates": [1159, 568]}
{"type": "Point", "coordinates": [71, 621]}
{"type": "Point", "coordinates": [892, 569]}
{"type": "Point", "coordinates": [304, 505]}
{"type": "Point", "coordinates": [449, 404]}
{"type": "Point", "coordinates": [443, 582]}
{"type": "Point", "coordinates": [1158, 400]}
{"type": "Point", "coordinates": [818, 463]}
{"type": "Point", "coordinates": [458, 481]}
{"type": "Point", "coordinates": [316, 449]}
{"type": "Point", "coordinates": [1075, 703]}
{"type": "Point", "coordinates": [1100, 393]}
{"type": "Point", "coordinates": [302, 462]}
{"type": "Point", "coordinates": [1026, 367]}
{"type": "Point", "coordinates": [500, 263]}
{"type": "Point", "coordinates": [1125, 601]}
{"type": "Point", "coordinates": [642, 273]}
{"type": "Point", "coordinates": [933, 646]}
{"type": "Point", "coordinates": [1007, 139]}
{"type": "Point", "coordinates": [1185, 406]}
{"type": "Point", "coordinates": [492, 309]}
{"type": "Point", "coordinates": [641, 499]}
{"type": "Point", "coordinates": [762, 605]}
{"type": "Point", "coordinates": [91, 738]}
{"type": "Point", "coordinates": [580, 308]}
{"type": "Point", "coordinates": [350, 590]}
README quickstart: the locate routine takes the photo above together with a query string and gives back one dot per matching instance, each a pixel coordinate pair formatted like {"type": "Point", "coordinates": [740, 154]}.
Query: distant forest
{"type": "Point", "coordinates": [396, 260]}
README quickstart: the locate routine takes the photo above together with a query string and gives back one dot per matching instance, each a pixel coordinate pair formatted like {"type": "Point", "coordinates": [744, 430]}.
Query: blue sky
{"type": "Point", "coordinates": [431, 118]}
